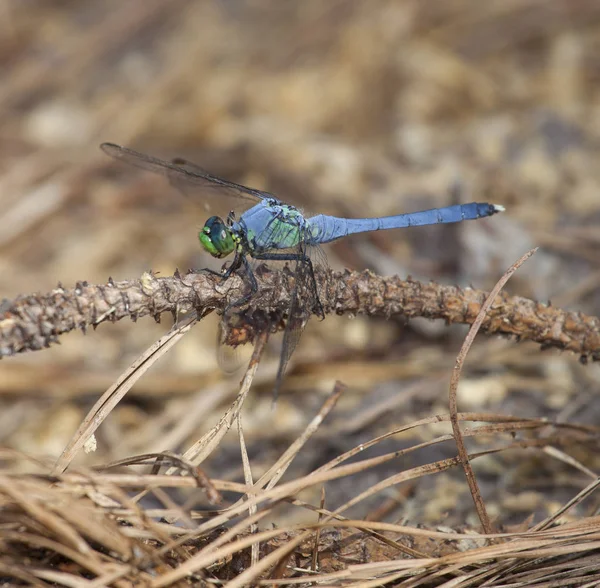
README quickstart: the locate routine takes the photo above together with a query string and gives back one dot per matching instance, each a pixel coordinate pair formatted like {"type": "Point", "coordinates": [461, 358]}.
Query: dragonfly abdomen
{"type": "Point", "coordinates": [329, 228]}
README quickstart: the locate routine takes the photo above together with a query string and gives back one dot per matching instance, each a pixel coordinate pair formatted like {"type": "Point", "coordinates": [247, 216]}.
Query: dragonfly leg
{"type": "Point", "coordinates": [235, 265]}
{"type": "Point", "coordinates": [301, 258]}
{"type": "Point", "coordinates": [209, 271]}
{"type": "Point", "coordinates": [241, 259]}
{"type": "Point", "coordinates": [222, 274]}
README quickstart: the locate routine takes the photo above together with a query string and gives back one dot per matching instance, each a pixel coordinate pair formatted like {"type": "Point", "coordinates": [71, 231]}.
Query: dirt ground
{"type": "Point", "coordinates": [353, 108]}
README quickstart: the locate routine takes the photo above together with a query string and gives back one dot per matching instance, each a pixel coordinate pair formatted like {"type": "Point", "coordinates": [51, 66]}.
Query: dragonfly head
{"type": "Point", "coordinates": [216, 237]}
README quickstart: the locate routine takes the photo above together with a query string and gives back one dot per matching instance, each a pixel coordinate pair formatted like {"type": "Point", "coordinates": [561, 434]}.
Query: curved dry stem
{"type": "Point", "coordinates": [453, 403]}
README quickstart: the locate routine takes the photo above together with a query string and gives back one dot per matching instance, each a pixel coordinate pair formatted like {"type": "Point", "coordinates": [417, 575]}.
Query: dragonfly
{"type": "Point", "coordinates": [272, 230]}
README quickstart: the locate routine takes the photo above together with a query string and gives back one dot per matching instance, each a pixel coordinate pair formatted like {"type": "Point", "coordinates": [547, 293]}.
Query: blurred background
{"type": "Point", "coordinates": [344, 107]}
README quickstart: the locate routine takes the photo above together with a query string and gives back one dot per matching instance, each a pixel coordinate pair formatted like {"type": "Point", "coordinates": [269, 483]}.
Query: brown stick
{"type": "Point", "coordinates": [36, 321]}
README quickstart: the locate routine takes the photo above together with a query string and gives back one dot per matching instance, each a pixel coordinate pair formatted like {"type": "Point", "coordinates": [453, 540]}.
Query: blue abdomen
{"type": "Point", "coordinates": [325, 228]}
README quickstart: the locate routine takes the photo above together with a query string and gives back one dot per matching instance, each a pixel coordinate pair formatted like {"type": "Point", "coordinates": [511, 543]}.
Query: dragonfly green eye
{"type": "Point", "coordinates": [216, 238]}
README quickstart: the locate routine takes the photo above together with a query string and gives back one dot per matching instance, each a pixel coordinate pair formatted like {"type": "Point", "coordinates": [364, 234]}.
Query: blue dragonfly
{"type": "Point", "coordinates": [271, 230]}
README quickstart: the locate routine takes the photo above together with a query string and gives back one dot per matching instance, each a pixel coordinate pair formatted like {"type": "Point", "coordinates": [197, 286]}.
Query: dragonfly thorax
{"type": "Point", "coordinates": [216, 237]}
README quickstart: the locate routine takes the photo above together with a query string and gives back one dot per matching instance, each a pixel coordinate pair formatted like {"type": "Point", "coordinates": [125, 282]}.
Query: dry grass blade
{"type": "Point", "coordinates": [315, 554]}
{"type": "Point", "coordinates": [270, 478]}
{"type": "Point", "coordinates": [22, 573]}
{"type": "Point", "coordinates": [247, 577]}
{"type": "Point", "coordinates": [249, 482]}
{"type": "Point", "coordinates": [208, 557]}
{"type": "Point", "coordinates": [592, 487]}
{"type": "Point", "coordinates": [453, 403]}
{"type": "Point", "coordinates": [505, 423]}
{"type": "Point", "coordinates": [115, 393]}
{"type": "Point", "coordinates": [93, 564]}
{"type": "Point", "coordinates": [205, 446]}
{"type": "Point", "coordinates": [21, 493]}
{"type": "Point", "coordinates": [198, 550]}
{"type": "Point", "coordinates": [157, 460]}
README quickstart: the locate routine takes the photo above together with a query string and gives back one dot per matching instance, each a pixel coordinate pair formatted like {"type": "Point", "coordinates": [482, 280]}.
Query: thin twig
{"type": "Point", "coordinates": [453, 403]}
{"type": "Point", "coordinates": [272, 476]}
{"type": "Point", "coordinates": [249, 480]}
{"type": "Point", "coordinates": [202, 448]}
{"type": "Point", "coordinates": [115, 393]}
{"type": "Point", "coordinates": [317, 539]}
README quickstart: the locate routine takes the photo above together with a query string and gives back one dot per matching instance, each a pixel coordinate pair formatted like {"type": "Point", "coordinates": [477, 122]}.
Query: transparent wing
{"type": "Point", "coordinates": [236, 328]}
{"type": "Point", "coordinates": [185, 175]}
{"type": "Point", "coordinates": [304, 302]}
{"type": "Point", "coordinates": [229, 358]}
